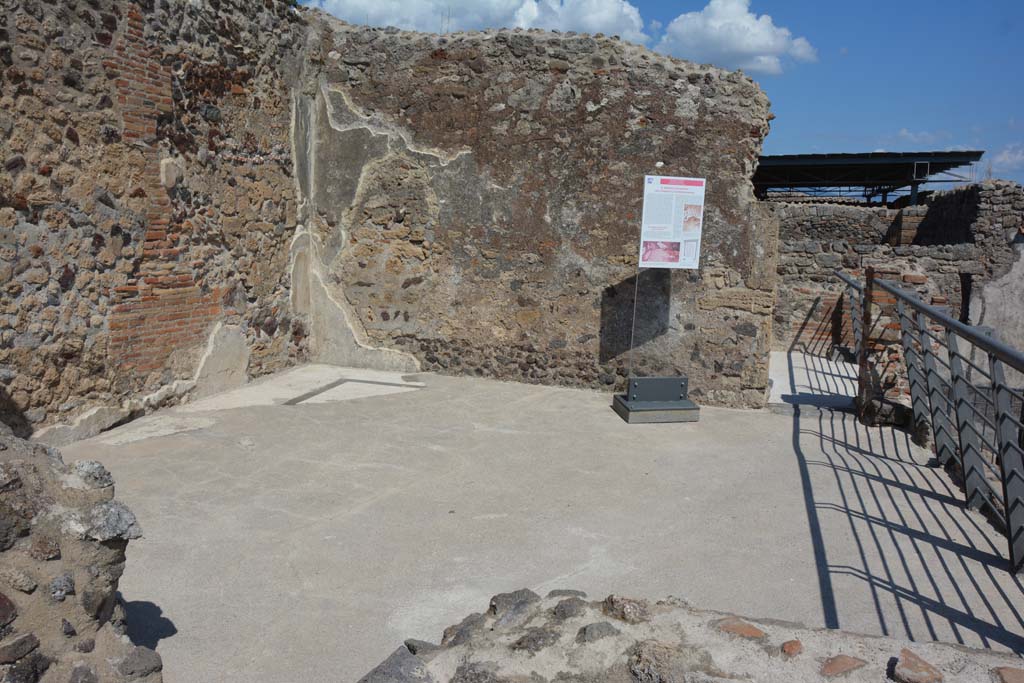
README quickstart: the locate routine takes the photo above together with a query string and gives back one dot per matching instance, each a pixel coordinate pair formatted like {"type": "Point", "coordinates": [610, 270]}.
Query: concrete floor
{"type": "Point", "coordinates": [804, 379]}
{"type": "Point", "coordinates": [305, 542]}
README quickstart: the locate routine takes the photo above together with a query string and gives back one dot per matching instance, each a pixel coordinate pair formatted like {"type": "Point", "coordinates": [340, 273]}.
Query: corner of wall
{"type": "Point", "coordinates": [336, 336]}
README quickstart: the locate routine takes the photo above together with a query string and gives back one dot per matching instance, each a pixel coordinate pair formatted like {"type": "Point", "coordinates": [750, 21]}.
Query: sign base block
{"type": "Point", "coordinates": [656, 399]}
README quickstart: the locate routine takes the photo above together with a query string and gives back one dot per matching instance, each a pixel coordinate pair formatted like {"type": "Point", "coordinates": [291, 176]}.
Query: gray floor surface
{"type": "Point", "coordinates": [305, 542]}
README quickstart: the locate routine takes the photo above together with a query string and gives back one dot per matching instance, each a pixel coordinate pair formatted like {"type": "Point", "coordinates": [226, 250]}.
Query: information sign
{"type": "Point", "coordinates": [672, 222]}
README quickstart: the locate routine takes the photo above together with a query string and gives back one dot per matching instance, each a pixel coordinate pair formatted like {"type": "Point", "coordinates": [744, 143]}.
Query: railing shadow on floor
{"type": "Point", "coordinates": [932, 571]}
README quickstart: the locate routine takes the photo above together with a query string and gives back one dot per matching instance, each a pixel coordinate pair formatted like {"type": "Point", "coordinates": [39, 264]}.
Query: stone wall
{"type": "Point", "coordinates": [959, 252]}
{"type": "Point", "coordinates": [995, 210]}
{"type": "Point", "coordinates": [812, 312]}
{"type": "Point", "coordinates": [951, 251]}
{"type": "Point", "coordinates": [146, 201]}
{"type": "Point", "coordinates": [196, 193]}
{"type": "Point", "coordinates": [564, 637]}
{"type": "Point", "coordinates": [472, 205]}
{"type": "Point", "coordinates": [62, 552]}
{"type": "Point", "coordinates": [827, 222]}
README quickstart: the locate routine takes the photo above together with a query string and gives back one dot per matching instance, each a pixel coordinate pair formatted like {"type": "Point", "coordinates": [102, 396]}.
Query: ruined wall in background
{"type": "Point", "coordinates": [826, 222]}
{"type": "Point", "coordinates": [146, 199]}
{"type": "Point", "coordinates": [956, 252]}
{"type": "Point", "coordinates": [994, 214]}
{"type": "Point", "coordinates": [473, 204]}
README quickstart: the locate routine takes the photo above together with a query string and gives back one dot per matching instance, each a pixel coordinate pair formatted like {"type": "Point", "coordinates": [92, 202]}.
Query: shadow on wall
{"type": "Point", "coordinates": [146, 624]}
{"type": "Point", "coordinates": [825, 330]}
{"type": "Point", "coordinates": [950, 218]}
{"type": "Point", "coordinates": [12, 416]}
{"type": "Point", "coordinates": [653, 302]}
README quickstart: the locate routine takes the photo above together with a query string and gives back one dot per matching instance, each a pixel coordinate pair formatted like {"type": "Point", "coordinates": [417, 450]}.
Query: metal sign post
{"type": "Point", "coordinates": [670, 235]}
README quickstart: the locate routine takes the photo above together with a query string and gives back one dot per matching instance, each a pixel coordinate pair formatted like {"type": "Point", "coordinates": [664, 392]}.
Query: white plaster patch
{"type": "Point", "coordinates": [374, 124]}
{"type": "Point", "coordinates": [153, 427]}
{"type": "Point", "coordinates": [224, 362]}
{"type": "Point", "coordinates": [336, 335]}
{"type": "Point", "coordinates": [88, 424]}
{"type": "Point", "coordinates": [998, 305]}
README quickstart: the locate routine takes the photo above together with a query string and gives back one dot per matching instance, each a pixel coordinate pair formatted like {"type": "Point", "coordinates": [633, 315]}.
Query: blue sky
{"type": "Point", "coordinates": [843, 77]}
{"type": "Point", "coordinates": [900, 76]}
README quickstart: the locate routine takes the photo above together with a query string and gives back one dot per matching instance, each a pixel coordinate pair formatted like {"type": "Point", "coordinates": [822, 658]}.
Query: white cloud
{"type": "Point", "coordinates": [801, 50]}
{"type": "Point", "coordinates": [1009, 158]}
{"type": "Point", "coordinates": [919, 137]}
{"type": "Point", "coordinates": [612, 17]}
{"type": "Point", "coordinates": [727, 33]}
{"type": "Point", "coordinates": [923, 137]}
{"type": "Point", "coordinates": [423, 15]}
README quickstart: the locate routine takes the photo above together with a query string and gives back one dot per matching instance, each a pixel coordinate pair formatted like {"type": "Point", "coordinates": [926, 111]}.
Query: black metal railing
{"type": "Point", "coordinates": [958, 380]}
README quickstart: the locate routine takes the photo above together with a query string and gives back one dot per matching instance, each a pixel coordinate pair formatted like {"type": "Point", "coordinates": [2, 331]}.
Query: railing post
{"type": "Point", "coordinates": [853, 299]}
{"type": "Point", "coordinates": [1011, 464]}
{"type": "Point", "coordinates": [945, 448]}
{"type": "Point", "coordinates": [915, 368]}
{"type": "Point", "coordinates": [863, 340]}
{"type": "Point", "coordinates": [856, 317]}
{"type": "Point", "coordinates": [967, 435]}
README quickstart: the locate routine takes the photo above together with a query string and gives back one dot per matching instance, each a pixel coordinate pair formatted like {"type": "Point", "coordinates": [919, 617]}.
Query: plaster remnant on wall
{"type": "Point", "coordinates": [349, 117]}
{"type": "Point", "coordinates": [336, 336]}
{"type": "Point", "coordinates": [224, 363]}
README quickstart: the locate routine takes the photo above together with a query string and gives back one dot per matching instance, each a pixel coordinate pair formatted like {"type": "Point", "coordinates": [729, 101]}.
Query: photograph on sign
{"type": "Point", "coordinates": [661, 252]}
{"type": "Point", "coordinates": [672, 221]}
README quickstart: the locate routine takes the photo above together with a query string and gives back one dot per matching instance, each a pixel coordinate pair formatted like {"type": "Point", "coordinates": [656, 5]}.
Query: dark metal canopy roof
{"type": "Point", "coordinates": [868, 174]}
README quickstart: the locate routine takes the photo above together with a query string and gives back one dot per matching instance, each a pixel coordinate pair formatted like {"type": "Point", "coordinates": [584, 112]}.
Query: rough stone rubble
{"type": "Point", "coordinates": [192, 194]}
{"type": "Point", "coordinates": [566, 638]}
{"type": "Point", "coordinates": [62, 542]}
{"type": "Point", "coordinates": [473, 200]}
{"type": "Point", "coordinates": [146, 205]}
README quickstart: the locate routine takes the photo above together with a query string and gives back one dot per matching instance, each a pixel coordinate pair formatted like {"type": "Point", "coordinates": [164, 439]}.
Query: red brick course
{"type": "Point", "coordinates": [163, 308]}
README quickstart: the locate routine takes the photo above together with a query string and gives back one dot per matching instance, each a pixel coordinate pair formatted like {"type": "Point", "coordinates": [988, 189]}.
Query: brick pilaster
{"type": "Point", "coordinates": [162, 308]}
